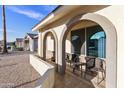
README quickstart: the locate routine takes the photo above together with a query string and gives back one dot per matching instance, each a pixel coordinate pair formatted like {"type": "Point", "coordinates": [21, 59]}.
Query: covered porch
{"type": "Point", "coordinates": [81, 45]}
{"type": "Point", "coordinates": [86, 39]}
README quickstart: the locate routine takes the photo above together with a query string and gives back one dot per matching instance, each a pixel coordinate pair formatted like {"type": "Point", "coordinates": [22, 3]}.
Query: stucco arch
{"type": "Point", "coordinates": [56, 44]}
{"type": "Point", "coordinates": [111, 44]}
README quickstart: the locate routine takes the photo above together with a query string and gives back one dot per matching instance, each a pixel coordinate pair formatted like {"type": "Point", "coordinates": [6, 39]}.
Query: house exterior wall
{"type": "Point", "coordinates": [50, 43]}
{"type": "Point", "coordinates": [49, 46]}
{"type": "Point", "coordinates": [19, 44]}
{"type": "Point", "coordinates": [35, 44]}
{"type": "Point", "coordinates": [116, 15]}
{"type": "Point", "coordinates": [31, 44]}
{"type": "Point", "coordinates": [26, 45]}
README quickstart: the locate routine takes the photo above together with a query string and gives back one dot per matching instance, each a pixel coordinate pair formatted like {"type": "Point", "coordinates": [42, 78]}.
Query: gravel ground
{"type": "Point", "coordinates": [16, 71]}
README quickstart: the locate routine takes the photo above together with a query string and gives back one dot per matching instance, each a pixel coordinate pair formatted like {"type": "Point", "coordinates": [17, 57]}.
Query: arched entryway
{"type": "Point", "coordinates": [50, 43]}
{"type": "Point", "coordinates": [111, 44]}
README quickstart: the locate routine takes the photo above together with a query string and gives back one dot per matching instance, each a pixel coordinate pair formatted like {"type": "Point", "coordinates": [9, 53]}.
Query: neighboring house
{"type": "Point", "coordinates": [84, 21]}
{"type": "Point", "coordinates": [9, 44]}
{"type": "Point", "coordinates": [31, 42]}
{"type": "Point", "coordinates": [19, 42]}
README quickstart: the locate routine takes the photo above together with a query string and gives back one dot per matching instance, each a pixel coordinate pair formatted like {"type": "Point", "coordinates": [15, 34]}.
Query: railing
{"type": "Point", "coordinates": [46, 70]}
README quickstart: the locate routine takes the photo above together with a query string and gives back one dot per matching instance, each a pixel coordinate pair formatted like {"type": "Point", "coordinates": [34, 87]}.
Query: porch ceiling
{"type": "Point", "coordinates": [83, 24]}
{"type": "Point", "coordinates": [63, 11]}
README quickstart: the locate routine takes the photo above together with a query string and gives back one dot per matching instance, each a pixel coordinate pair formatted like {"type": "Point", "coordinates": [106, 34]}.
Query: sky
{"type": "Point", "coordinates": [20, 19]}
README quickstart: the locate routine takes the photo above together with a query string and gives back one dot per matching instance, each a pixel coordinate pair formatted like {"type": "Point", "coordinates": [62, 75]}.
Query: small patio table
{"type": "Point", "coordinates": [80, 64]}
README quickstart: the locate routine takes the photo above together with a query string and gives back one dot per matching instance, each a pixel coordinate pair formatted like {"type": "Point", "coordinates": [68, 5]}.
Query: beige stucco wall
{"type": "Point", "coordinates": [40, 44]}
{"type": "Point", "coordinates": [49, 46]}
{"type": "Point", "coordinates": [68, 45]}
{"type": "Point", "coordinates": [50, 43]}
{"type": "Point", "coordinates": [46, 71]}
{"type": "Point", "coordinates": [31, 44]}
{"type": "Point", "coordinates": [116, 15]}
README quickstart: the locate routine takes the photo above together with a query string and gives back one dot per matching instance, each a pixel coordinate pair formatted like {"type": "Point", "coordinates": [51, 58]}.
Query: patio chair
{"type": "Point", "coordinates": [68, 58]}
{"type": "Point", "coordinates": [53, 59]}
{"type": "Point", "coordinates": [75, 60]}
{"type": "Point", "coordinates": [100, 67]}
{"type": "Point", "coordinates": [90, 64]}
{"type": "Point", "coordinates": [97, 65]}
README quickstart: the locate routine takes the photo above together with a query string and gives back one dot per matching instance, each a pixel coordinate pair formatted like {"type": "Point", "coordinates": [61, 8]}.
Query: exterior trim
{"type": "Point", "coordinates": [56, 44]}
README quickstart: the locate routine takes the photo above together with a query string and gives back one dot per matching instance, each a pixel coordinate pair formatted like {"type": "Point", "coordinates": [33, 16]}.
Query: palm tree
{"type": "Point", "coordinates": [4, 30]}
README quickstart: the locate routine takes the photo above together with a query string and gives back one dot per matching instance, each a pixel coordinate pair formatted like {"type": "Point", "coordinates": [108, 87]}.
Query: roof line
{"type": "Point", "coordinates": [47, 16]}
{"type": "Point", "coordinates": [28, 34]}
{"type": "Point", "coordinates": [32, 33]}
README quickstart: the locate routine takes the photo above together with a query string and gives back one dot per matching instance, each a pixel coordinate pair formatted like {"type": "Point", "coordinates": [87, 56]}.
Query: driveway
{"type": "Point", "coordinates": [16, 71]}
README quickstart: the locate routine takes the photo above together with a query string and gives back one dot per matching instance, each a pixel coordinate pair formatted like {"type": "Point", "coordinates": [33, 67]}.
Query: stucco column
{"type": "Point", "coordinates": [61, 58]}
{"type": "Point", "coordinates": [40, 44]}
{"type": "Point", "coordinates": [61, 64]}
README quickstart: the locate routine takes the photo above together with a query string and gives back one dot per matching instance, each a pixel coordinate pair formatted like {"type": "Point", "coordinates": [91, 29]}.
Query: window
{"type": "Point", "coordinates": [77, 40]}
{"type": "Point", "coordinates": [96, 42]}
